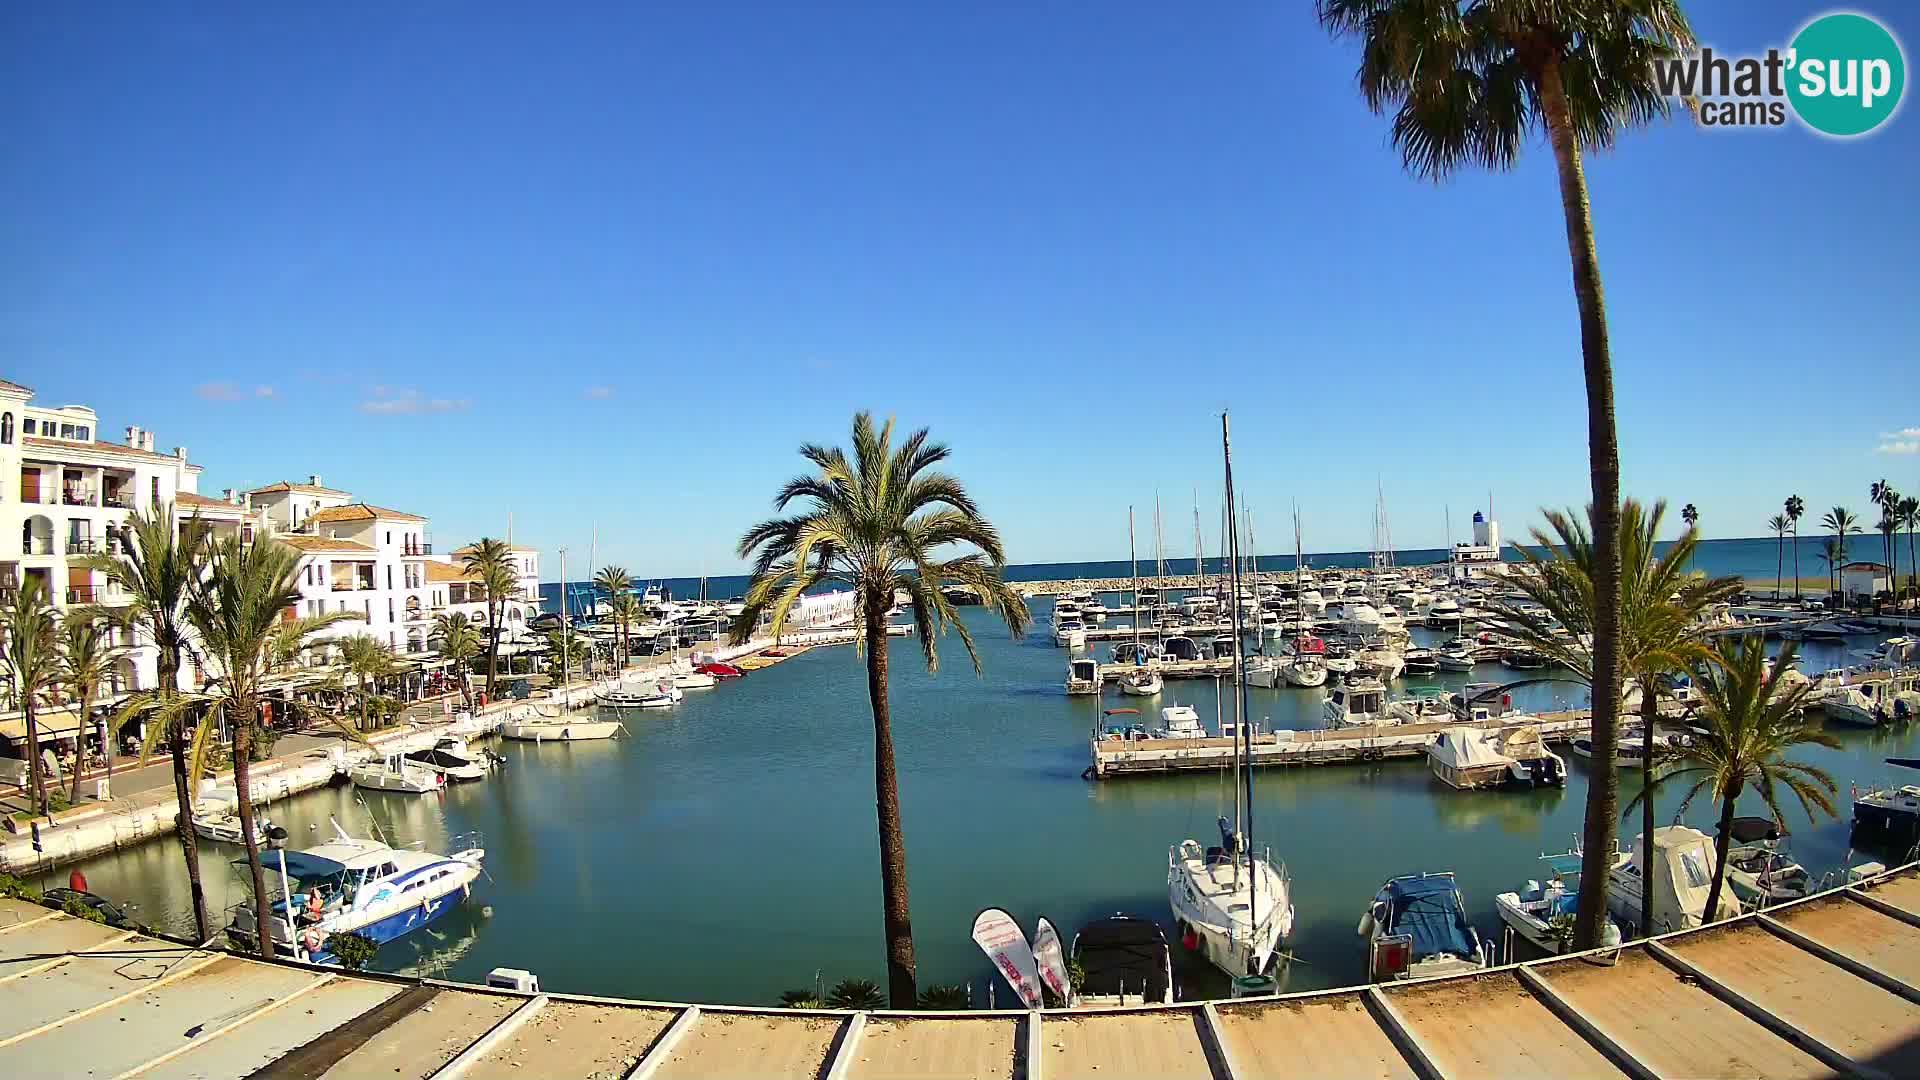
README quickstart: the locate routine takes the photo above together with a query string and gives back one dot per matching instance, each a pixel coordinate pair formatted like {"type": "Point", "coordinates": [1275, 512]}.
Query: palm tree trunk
{"type": "Point", "coordinates": [901, 990]}
{"type": "Point", "coordinates": [1779, 565]}
{"type": "Point", "coordinates": [493, 644]}
{"type": "Point", "coordinates": [1720, 845]}
{"type": "Point", "coordinates": [1649, 712]}
{"type": "Point", "coordinates": [79, 749]}
{"type": "Point", "coordinates": [1796, 560]}
{"type": "Point", "coordinates": [169, 672]}
{"type": "Point", "coordinates": [242, 784]}
{"type": "Point", "coordinates": [35, 774]}
{"type": "Point", "coordinates": [1603, 454]}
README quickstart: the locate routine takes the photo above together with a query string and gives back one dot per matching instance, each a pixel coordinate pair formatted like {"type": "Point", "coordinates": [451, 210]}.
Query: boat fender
{"type": "Point", "coordinates": [1189, 940]}
{"type": "Point", "coordinates": [1365, 929]}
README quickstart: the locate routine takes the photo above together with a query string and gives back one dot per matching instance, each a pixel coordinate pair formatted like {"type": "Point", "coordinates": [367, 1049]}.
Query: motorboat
{"type": "Point", "coordinates": [396, 774]}
{"type": "Point", "coordinates": [1417, 928]}
{"type": "Point", "coordinates": [694, 680]}
{"type": "Point", "coordinates": [1760, 872]}
{"type": "Point", "coordinates": [1083, 675]}
{"type": "Point", "coordinates": [219, 820]}
{"type": "Point", "coordinates": [1629, 748]}
{"type": "Point", "coordinates": [661, 695]}
{"type": "Point", "coordinates": [1132, 652]}
{"type": "Point", "coordinates": [1123, 960]}
{"type": "Point", "coordinates": [1889, 816]}
{"type": "Point", "coordinates": [1386, 663]}
{"type": "Point", "coordinates": [1070, 633]}
{"type": "Point", "coordinates": [1456, 660]}
{"type": "Point", "coordinates": [1683, 871]}
{"type": "Point", "coordinates": [1871, 704]}
{"type": "Point", "coordinates": [452, 758]}
{"type": "Point", "coordinates": [1444, 614]}
{"type": "Point", "coordinates": [1421, 662]}
{"type": "Point", "coordinates": [1141, 682]}
{"type": "Point", "coordinates": [1523, 659]}
{"type": "Point", "coordinates": [352, 885]}
{"type": "Point", "coordinates": [720, 670]}
{"type": "Point", "coordinates": [1360, 703]}
{"type": "Point", "coordinates": [1544, 914]}
{"type": "Point", "coordinates": [565, 727]}
{"type": "Point", "coordinates": [1232, 906]}
{"type": "Point", "coordinates": [1426, 705]}
{"type": "Point", "coordinates": [1179, 647]}
{"type": "Point", "coordinates": [1181, 722]}
{"type": "Point", "coordinates": [1469, 757]}
{"type": "Point", "coordinates": [1266, 671]}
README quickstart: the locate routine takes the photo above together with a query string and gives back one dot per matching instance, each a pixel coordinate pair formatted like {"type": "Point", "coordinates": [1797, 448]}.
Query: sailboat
{"type": "Point", "coordinates": [1308, 653]}
{"type": "Point", "coordinates": [1142, 681]}
{"type": "Point", "coordinates": [1232, 903]}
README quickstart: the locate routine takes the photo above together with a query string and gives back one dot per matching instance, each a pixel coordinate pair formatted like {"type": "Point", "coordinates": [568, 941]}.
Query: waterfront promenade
{"type": "Point", "coordinates": [1829, 985]}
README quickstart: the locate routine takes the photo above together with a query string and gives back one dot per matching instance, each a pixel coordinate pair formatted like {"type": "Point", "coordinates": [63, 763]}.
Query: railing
{"type": "Point", "coordinates": [36, 547]}
{"type": "Point", "coordinates": [82, 545]}
{"type": "Point", "coordinates": [119, 502]}
{"type": "Point", "coordinates": [417, 549]}
{"type": "Point", "coordinates": [77, 498]}
{"type": "Point", "coordinates": [352, 586]}
{"type": "Point", "coordinates": [86, 594]}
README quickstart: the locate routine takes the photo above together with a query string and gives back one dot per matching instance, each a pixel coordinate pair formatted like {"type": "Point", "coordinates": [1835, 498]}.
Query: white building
{"type": "Point", "coordinates": [1868, 579]}
{"type": "Point", "coordinates": [1470, 559]}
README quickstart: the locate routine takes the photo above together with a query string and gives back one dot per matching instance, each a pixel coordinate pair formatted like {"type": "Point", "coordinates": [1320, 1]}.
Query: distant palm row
{"type": "Point", "coordinates": [1897, 512]}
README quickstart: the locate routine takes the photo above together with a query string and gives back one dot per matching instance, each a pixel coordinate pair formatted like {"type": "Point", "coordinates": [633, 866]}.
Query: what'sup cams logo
{"type": "Point", "coordinates": [1842, 76]}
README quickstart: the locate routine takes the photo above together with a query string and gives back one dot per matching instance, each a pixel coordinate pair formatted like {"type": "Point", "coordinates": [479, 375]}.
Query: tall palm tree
{"type": "Point", "coordinates": [1795, 507]}
{"type": "Point", "coordinates": [30, 664]}
{"type": "Point", "coordinates": [1469, 83]}
{"type": "Point", "coordinates": [878, 521]}
{"type": "Point", "coordinates": [1830, 553]}
{"type": "Point", "coordinates": [242, 615]}
{"type": "Point", "coordinates": [1883, 496]}
{"type": "Point", "coordinates": [491, 561]}
{"type": "Point", "coordinates": [1661, 633]}
{"type": "Point", "coordinates": [1748, 721]}
{"type": "Point", "coordinates": [458, 643]}
{"type": "Point", "coordinates": [367, 659]}
{"type": "Point", "coordinates": [1840, 521]}
{"type": "Point", "coordinates": [613, 581]}
{"type": "Point", "coordinates": [1778, 523]}
{"type": "Point", "coordinates": [85, 662]}
{"type": "Point", "coordinates": [1690, 515]}
{"type": "Point", "coordinates": [1909, 510]}
{"type": "Point", "coordinates": [1889, 524]}
{"type": "Point", "coordinates": [157, 570]}
{"type": "Point", "coordinates": [625, 609]}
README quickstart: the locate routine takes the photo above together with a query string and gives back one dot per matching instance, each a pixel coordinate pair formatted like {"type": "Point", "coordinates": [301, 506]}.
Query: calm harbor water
{"type": "Point", "coordinates": [725, 850]}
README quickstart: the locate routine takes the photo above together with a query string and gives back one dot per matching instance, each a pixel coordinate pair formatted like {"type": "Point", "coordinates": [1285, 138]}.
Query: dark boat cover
{"type": "Point", "coordinates": [1123, 950]}
{"type": "Point", "coordinates": [1428, 910]}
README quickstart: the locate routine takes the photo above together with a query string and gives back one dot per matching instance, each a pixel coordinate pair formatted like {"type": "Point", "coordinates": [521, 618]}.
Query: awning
{"type": "Point", "coordinates": [58, 724]}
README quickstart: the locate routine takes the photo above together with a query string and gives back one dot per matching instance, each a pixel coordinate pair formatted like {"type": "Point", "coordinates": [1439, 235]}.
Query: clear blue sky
{"type": "Point", "coordinates": [611, 265]}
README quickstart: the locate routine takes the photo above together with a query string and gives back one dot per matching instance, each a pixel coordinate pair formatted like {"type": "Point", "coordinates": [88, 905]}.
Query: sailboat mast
{"type": "Point", "coordinates": [566, 625]}
{"type": "Point", "coordinates": [1134, 561]}
{"type": "Point", "coordinates": [1245, 739]}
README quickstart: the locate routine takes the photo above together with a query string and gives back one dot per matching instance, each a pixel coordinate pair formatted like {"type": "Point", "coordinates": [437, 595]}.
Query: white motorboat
{"type": "Point", "coordinates": [1629, 748]}
{"type": "Point", "coordinates": [1469, 757]}
{"type": "Point", "coordinates": [452, 758]}
{"type": "Point", "coordinates": [1760, 872]}
{"type": "Point", "coordinates": [1871, 704]}
{"type": "Point", "coordinates": [661, 695]}
{"type": "Point", "coordinates": [1427, 705]}
{"type": "Point", "coordinates": [1417, 927]}
{"type": "Point", "coordinates": [1267, 671]}
{"type": "Point", "coordinates": [1683, 871]}
{"type": "Point", "coordinates": [1141, 682]}
{"type": "Point", "coordinates": [1387, 664]}
{"type": "Point", "coordinates": [1360, 703]}
{"type": "Point", "coordinates": [1181, 722]}
{"type": "Point", "coordinates": [353, 885]}
{"type": "Point", "coordinates": [693, 680]}
{"type": "Point", "coordinates": [1123, 960]}
{"type": "Point", "coordinates": [1070, 633]}
{"type": "Point", "coordinates": [1543, 914]}
{"type": "Point", "coordinates": [566, 727]}
{"type": "Point", "coordinates": [395, 773]}
{"type": "Point", "coordinates": [1457, 660]}
{"type": "Point", "coordinates": [1083, 675]}
{"type": "Point", "coordinates": [219, 820]}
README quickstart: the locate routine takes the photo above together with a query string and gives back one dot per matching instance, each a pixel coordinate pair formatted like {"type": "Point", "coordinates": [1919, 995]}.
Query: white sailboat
{"type": "Point", "coordinates": [1142, 680]}
{"type": "Point", "coordinates": [1232, 903]}
{"type": "Point", "coordinates": [562, 724]}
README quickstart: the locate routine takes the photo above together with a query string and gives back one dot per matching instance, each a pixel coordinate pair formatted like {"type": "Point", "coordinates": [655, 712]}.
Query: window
{"type": "Point", "coordinates": [323, 607]}
{"type": "Point", "coordinates": [6, 428]}
{"type": "Point", "coordinates": [1697, 875]}
{"type": "Point", "coordinates": [27, 427]}
{"type": "Point", "coordinates": [389, 608]}
{"type": "Point", "coordinates": [389, 569]}
{"type": "Point", "coordinates": [389, 537]}
{"type": "Point", "coordinates": [156, 489]}
{"type": "Point", "coordinates": [366, 609]}
{"type": "Point", "coordinates": [83, 432]}
{"type": "Point", "coordinates": [66, 431]}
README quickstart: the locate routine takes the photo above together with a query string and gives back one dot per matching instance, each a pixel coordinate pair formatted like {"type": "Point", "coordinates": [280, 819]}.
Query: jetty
{"type": "Point", "coordinates": [1332, 746]}
{"type": "Point", "coordinates": [1817, 987]}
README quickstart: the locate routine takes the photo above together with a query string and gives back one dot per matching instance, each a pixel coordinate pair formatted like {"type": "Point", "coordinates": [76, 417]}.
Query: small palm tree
{"type": "Point", "coordinates": [157, 570]}
{"type": "Point", "coordinates": [1661, 633]}
{"type": "Point", "coordinates": [243, 616]}
{"type": "Point", "coordinates": [1749, 722]}
{"type": "Point", "coordinates": [458, 643]}
{"type": "Point", "coordinates": [950, 998]}
{"type": "Point", "coordinates": [1795, 507]}
{"type": "Point", "coordinates": [86, 660]}
{"type": "Point", "coordinates": [625, 610]}
{"type": "Point", "coordinates": [368, 660]}
{"type": "Point", "coordinates": [565, 653]}
{"type": "Point", "coordinates": [30, 664]}
{"type": "Point", "coordinates": [1469, 83]}
{"type": "Point", "coordinates": [1690, 515]}
{"type": "Point", "coordinates": [873, 522]}
{"type": "Point", "coordinates": [491, 561]}
{"type": "Point", "coordinates": [1778, 523]}
{"type": "Point", "coordinates": [1840, 521]}
{"type": "Point", "coordinates": [856, 994]}
{"type": "Point", "coordinates": [613, 581]}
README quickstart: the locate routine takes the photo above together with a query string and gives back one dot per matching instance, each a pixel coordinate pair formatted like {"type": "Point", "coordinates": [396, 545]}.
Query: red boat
{"type": "Point", "coordinates": [719, 670]}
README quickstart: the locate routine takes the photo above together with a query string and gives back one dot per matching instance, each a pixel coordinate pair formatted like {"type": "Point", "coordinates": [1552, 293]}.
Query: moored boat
{"type": "Point", "coordinates": [1543, 914]}
{"type": "Point", "coordinates": [395, 773]}
{"type": "Point", "coordinates": [567, 727]}
{"type": "Point", "coordinates": [1417, 927]}
{"type": "Point", "coordinates": [1123, 960]}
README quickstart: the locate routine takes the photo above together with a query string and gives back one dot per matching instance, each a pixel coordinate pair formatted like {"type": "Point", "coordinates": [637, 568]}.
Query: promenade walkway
{"type": "Point", "coordinates": [1822, 987]}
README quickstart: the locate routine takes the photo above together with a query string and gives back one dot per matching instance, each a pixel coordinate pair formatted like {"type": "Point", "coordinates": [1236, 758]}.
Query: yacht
{"type": "Point", "coordinates": [453, 759]}
{"type": "Point", "coordinates": [1123, 960]}
{"type": "Point", "coordinates": [1457, 659]}
{"type": "Point", "coordinates": [1266, 671]}
{"type": "Point", "coordinates": [1231, 905]}
{"type": "Point", "coordinates": [1141, 682]}
{"type": "Point", "coordinates": [1083, 675]}
{"type": "Point", "coordinates": [694, 680]}
{"type": "Point", "coordinates": [1425, 705]}
{"type": "Point", "coordinates": [1629, 748]}
{"type": "Point", "coordinates": [1070, 633]}
{"type": "Point", "coordinates": [395, 773]}
{"type": "Point", "coordinates": [563, 727]}
{"type": "Point", "coordinates": [1133, 653]}
{"type": "Point", "coordinates": [1543, 914]}
{"type": "Point", "coordinates": [219, 820]}
{"type": "Point", "coordinates": [1468, 757]}
{"type": "Point", "coordinates": [1889, 816]}
{"type": "Point", "coordinates": [1417, 927]}
{"type": "Point", "coordinates": [1683, 869]}
{"type": "Point", "coordinates": [1445, 614]}
{"type": "Point", "coordinates": [1180, 647]}
{"type": "Point", "coordinates": [1523, 660]}
{"type": "Point", "coordinates": [1421, 662]}
{"type": "Point", "coordinates": [1386, 663]}
{"type": "Point", "coordinates": [1309, 662]}
{"type": "Point", "coordinates": [352, 885]}
{"type": "Point", "coordinates": [1871, 704]}
{"type": "Point", "coordinates": [1181, 722]}
{"type": "Point", "coordinates": [1362, 702]}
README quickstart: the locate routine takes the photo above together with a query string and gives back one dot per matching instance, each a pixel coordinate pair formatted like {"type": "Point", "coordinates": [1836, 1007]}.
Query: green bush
{"type": "Point", "coordinates": [79, 910]}
{"type": "Point", "coordinates": [14, 889]}
{"type": "Point", "coordinates": [856, 994]}
{"type": "Point", "coordinates": [948, 998]}
{"type": "Point", "coordinates": [351, 949]}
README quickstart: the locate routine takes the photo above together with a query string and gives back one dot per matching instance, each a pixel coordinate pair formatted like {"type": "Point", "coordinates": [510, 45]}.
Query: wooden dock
{"type": "Point", "coordinates": [1825, 986]}
{"type": "Point", "coordinates": [1336, 746]}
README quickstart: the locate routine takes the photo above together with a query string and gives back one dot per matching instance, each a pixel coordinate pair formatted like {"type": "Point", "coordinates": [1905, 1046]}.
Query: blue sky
{"type": "Point", "coordinates": [611, 265]}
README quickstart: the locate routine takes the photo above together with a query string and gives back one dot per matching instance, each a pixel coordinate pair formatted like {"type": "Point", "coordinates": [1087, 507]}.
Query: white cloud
{"type": "Point", "coordinates": [388, 401]}
{"type": "Point", "coordinates": [218, 391]}
{"type": "Point", "coordinates": [1900, 446]}
{"type": "Point", "coordinates": [1903, 433]}
{"type": "Point", "coordinates": [263, 391]}
{"type": "Point", "coordinates": [599, 393]}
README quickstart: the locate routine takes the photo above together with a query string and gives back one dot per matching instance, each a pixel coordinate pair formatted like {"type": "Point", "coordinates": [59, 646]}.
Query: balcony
{"type": "Point", "coordinates": [417, 549]}
{"type": "Point", "coordinates": [82, 545]}
{"type": "Point", "coordinates": [78, 497]}
{"type": "Point", "coordinates": [86, 594]}
{"type": "Point", "coordinates": [34, 545]}
{"type": "Point", "coordinates": [119, 501]}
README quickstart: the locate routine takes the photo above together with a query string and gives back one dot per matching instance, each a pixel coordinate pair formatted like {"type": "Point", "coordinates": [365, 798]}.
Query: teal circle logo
{"type": "Point", "coordinates": [1846, 74]}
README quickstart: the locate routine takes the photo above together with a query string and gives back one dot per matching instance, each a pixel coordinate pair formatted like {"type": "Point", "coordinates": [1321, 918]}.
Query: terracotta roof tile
{"type": "Point", "coordinates": [321, 543]}
{"type": "Point", "coordinates": [14, 386]}
{"type": "Point", "coordinates": [103, 447]}
{"type": "Point", "coordinates": [360, 512]}
{"type": "Point", "coordinates": [439, 571]}
{"type": "Point", "coordinates": [305, 489]}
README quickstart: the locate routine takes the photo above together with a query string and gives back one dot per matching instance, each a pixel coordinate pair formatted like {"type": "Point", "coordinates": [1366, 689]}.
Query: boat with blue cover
{"type": "Point", "coordinates": [353, 885]}
{"type": "Point", "coordinates": [1418, 928]}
